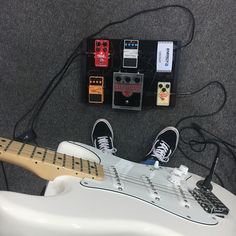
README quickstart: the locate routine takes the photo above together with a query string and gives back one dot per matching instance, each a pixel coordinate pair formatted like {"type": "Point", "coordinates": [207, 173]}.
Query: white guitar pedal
{"type": "Point", "coordinates": [130, 53]}
{"type": "Point", "coordinates": [163, 94]}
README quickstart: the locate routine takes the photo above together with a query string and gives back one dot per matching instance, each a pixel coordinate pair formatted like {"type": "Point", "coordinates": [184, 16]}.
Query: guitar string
{"type": "Point", "coordinates": [29, 152]}
{"type": "Point", "coordinates": [124, 177]}
{"type": "Point", "coordinates": [134, 178]}
{"type": "Point", "coordinates": [166, 190]}
{"type": "Point", "coordinates": [134, 181]}
{"type": "Point", "coordinates": [172, 192]}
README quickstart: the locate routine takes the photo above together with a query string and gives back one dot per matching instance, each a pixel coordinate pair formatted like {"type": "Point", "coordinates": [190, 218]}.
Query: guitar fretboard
{"type": "Point", "coordinates": [47, 163]}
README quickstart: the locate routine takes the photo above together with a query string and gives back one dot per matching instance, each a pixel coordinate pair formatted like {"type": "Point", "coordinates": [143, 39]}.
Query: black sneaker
{"type": "Point", "coordinates": [102, 136]}
{"type": "Point", "coordinates": [163, 147]}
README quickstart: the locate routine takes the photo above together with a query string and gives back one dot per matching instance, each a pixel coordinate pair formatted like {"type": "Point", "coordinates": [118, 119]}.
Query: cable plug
{"type": "Point", "coordinates": [27, 136]}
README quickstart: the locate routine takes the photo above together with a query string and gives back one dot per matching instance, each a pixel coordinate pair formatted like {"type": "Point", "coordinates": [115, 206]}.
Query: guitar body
{"type": "Point", "coordinates": [133, 199]}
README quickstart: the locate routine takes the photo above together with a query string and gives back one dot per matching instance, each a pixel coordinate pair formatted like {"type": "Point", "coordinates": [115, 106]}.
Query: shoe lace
{"type": "Point", "coordinates": [161, 151]}
{"type": "Point", "coordinates": [104, 145]}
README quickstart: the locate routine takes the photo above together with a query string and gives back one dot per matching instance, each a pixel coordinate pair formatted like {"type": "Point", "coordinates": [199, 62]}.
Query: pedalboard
{"type": "Point", "coordinates": [127, 90]}
{"type": "Point", "coordinates": [130, 74]}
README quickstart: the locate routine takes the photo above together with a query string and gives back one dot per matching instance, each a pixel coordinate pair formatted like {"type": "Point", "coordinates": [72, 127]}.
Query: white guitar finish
{"type": "Point", "coordinates": [72, 206]}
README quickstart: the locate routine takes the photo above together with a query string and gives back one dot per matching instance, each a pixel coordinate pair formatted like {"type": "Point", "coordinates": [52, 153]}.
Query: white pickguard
{"type": "Point", "coordinates": [125, 203]}
{"type": "Point", "coordinates": [147, 184]}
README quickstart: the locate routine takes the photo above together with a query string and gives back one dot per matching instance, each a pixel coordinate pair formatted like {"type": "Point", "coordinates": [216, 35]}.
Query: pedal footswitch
{"type": "Point", "coordinates": [163, 93]}
{"type": "Point", "coordinates": [101, 52]}
{"type": "Point", "coordinates": [96, 89]}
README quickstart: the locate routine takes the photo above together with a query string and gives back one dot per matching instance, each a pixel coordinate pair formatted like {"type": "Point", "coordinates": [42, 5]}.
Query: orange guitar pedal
{"type": "Point", "coordinates": [96, 89]}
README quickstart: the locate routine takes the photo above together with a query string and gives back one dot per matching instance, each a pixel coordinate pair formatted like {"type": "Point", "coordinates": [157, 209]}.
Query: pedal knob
{"type": "Point", "coordinates": [183, 169]}
{"type": "Point", "coordinates": [127, 79]}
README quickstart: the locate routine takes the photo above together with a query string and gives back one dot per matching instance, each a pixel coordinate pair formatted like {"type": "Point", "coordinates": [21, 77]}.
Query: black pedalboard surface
{"type": "Point", "coordinates": [130, 74]}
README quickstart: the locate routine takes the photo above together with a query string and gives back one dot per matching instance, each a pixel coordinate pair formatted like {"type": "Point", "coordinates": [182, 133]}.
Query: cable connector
{"type": "Point", "coordinates": [27, 136]}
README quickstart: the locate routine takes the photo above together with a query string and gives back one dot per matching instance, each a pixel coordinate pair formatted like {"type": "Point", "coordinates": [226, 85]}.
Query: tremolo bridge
{"type": "Point", "coordinates": [209, 202]}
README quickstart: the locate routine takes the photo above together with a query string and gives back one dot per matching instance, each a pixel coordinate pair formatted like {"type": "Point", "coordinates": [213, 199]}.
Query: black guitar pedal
{"type": "Point", "coordinates": [127, 91]}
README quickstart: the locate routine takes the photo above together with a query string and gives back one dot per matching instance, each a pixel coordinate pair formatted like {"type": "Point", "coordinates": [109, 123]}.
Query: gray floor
{"type": "Point", "coordinates": [36, 37]}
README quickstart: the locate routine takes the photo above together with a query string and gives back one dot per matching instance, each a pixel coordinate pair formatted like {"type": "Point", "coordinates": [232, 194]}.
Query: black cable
{"type": "Point", "coordinates": [223, 141]}
{"type": "Point", "coordinates": [208, 114]}
{"type": "Point", "coordinates": [40, 102]}
{"type": "Point", "coordinates": [70, 59]}
{"type": "Point", "coordinates": [50, 91]}
{"type": "Point", "coordinates": [42, 96]}
{"type": "Point", "coordinates": [204, 143]}
{"type": "Point", "coordinates": [200, 131]}
{"type": "Point", "coordinates": [148, 11]}
{"type": "Point", "coordinates": [68, 62]}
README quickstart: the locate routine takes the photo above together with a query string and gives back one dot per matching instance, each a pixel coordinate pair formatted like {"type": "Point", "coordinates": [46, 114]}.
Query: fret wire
{"type": "Point", "coordinates": [31, 156]}
{"type": "Point", "coordinates": [89, 168]}
{"type": "Point", "coordinates": [27, 151]}
{"type": "Point", "coordinates": [19, 152]}
{"type": "Point", "coordinates": [30, 146]}
{"type": "Point", "coordinates": [64, 160]}
{"type": "Point", "coordinates": [52, 152]}
{"type": "Point", "coordinates": [68, 161]}
{"type": "Point", "coordinates": [81, 164]}
{"type": "Point", "coordinates": [8, 145]}
{"type": "Point", "coordinates": [48, 159]}
{"type": "Point", "coordinates": [54, 158]}
{"type": "Point", "coordinates": [44, 155]}
{"type": "Point", "coordinates": [16, 149]}
{"type": "Point", "coordinates": [96, 168]}
{"type": "Point", "coordinates": [73, 162]}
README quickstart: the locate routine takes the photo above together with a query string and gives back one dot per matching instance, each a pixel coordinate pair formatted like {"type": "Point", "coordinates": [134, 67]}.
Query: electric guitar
{"type": "Point", "coordinates": [94, 193]}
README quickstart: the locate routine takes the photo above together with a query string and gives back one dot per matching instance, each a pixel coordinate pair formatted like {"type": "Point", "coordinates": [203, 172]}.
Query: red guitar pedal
{"type": "Point", "coordinates": [101, 54]}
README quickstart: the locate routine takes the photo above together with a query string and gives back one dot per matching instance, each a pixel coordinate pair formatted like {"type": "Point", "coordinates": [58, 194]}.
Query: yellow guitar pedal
{"type": "Point", "coordinates": [163, 94]}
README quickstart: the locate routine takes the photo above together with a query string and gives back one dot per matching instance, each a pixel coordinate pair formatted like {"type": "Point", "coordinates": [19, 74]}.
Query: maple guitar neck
{"type": "Point", "coordinates": [47, 163]}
